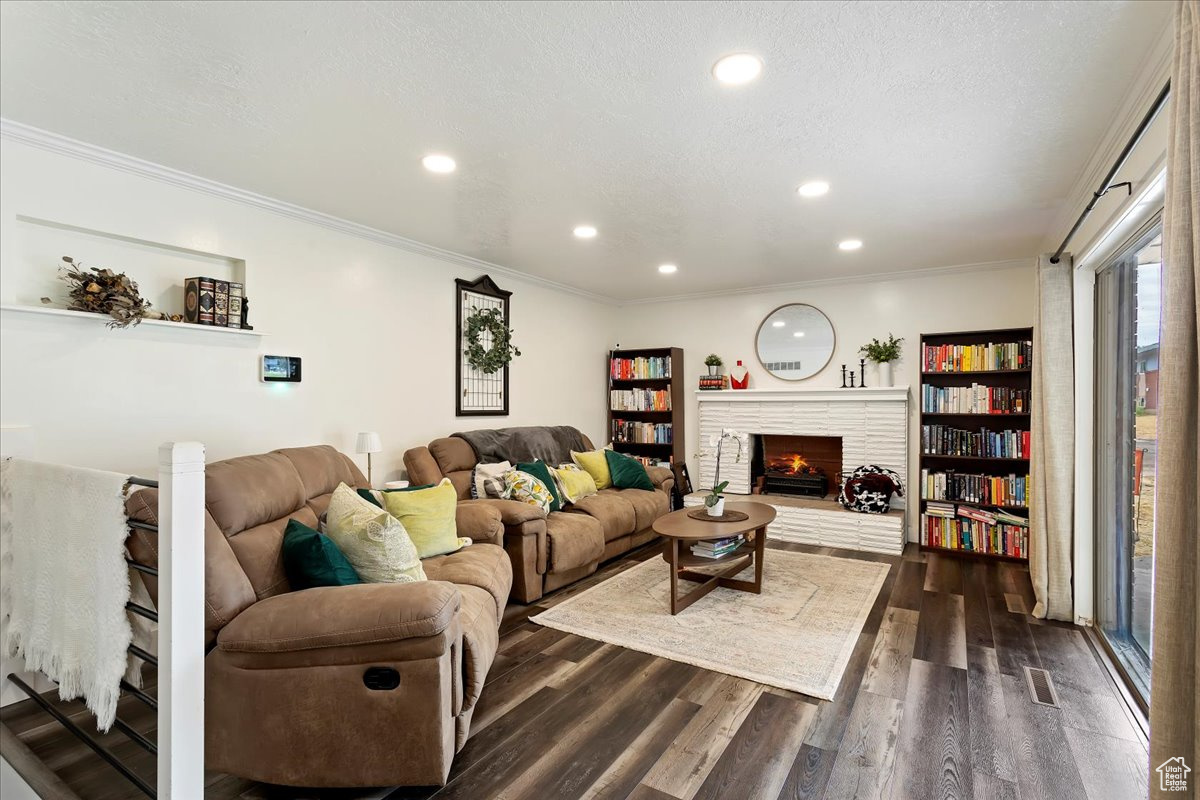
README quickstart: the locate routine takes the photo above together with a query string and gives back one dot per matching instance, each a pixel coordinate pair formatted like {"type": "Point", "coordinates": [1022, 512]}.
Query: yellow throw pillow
{"type": "Point", "coordinates": [574, 483]}
{"type": "Point", "coordinates": [595, 464]}
{"type": "Point", "coordinates": [373, 541]}
{"type": "Point", "coordinates": [428, 516]}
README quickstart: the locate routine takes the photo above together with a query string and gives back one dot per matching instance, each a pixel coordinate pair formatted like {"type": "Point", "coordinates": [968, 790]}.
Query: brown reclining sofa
{"type": "Point", "coordinates": [550, 551]}
{"type": "Point", "coordinates": [287, 673]}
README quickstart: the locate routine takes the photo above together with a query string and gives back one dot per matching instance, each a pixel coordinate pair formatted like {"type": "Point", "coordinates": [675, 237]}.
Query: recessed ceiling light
{"type": "Point", "coordinates": [798, 334]}
{"type": "Point", "coordinates": [778, 323]}
{"type": "Point", "coordinates": [737, 69]}
{"type": "Point", "coordinates": [813, 189]}
{"type": "Point", "coordinates": [439, 163]}
{"type": "Point", "coordinates": [850, 244]}
{"type": "Point", "coordinates": [584, 232]}
{"type": "Point", "coordinates": [667, 269]}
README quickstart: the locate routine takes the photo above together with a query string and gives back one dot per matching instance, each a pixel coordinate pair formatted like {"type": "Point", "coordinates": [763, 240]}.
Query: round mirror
{"type": "Point", "coordinates": [795, 342]}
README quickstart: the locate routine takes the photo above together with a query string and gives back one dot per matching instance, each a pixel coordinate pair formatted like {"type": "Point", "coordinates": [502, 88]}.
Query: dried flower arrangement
{"type": "Point", "coordinates": [102, 291]}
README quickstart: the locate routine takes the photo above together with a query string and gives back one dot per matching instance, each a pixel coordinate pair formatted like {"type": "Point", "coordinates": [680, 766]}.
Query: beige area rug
{"type": "Point", "coordinates": [798, 634]}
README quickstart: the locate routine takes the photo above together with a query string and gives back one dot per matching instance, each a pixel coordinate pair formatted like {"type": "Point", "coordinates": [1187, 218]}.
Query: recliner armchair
{"type": "Point", "coordinates": [368, 685]}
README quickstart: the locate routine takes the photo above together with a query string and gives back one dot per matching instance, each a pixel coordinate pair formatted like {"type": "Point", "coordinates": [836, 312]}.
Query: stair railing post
{"type": "Point", "coordinates": [181, 621]}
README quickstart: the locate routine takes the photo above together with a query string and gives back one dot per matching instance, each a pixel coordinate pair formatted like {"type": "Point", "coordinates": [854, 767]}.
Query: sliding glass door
{"type": "Point", "coordinates": [1128, 302]}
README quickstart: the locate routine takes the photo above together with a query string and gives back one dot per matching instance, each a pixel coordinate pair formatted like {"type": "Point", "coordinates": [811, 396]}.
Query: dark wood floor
{"type": "Point", "coordinates": [933, 704]}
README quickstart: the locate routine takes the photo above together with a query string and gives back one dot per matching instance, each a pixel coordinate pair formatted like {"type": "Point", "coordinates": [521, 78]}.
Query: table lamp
{"type": "Point", "coordinates": [368, 442]}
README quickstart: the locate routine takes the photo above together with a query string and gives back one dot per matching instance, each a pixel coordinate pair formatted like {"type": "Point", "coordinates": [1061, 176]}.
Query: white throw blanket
{"type": "Point", "coordinates": [66, 583]}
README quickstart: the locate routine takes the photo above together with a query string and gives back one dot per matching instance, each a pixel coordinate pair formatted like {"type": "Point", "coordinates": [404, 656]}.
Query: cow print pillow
{"type": "Point", "coordinates": [869, 490]}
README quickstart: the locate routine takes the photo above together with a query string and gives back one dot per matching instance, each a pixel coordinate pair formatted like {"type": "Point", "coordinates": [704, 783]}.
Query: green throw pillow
{"type": "Point", "coordinates": [627, 472]}
{"type": "Point", "coordinates": [539, 470]}
{"type": "Point", "coordinates": [310, 559]}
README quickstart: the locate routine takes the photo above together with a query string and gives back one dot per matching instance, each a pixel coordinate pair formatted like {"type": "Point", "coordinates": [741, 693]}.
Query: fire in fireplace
{"type": "Point", "coordinates": [797, 465]}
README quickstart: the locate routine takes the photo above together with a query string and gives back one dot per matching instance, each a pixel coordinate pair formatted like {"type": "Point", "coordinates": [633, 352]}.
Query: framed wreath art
{"type": "Point", "coordinates": [485, 348]}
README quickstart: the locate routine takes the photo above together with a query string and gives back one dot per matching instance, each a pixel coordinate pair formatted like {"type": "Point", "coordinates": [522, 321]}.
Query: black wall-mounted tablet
{"type": "Point", "coordinates": [281, 369]}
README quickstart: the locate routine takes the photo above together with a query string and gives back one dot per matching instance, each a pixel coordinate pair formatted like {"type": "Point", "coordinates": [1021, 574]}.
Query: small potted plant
{"type": "Point", "coordinates": [713, 362]}
{"type": "Point", "coordinates": [714, 501]}
{"type": "Point", "coordinates": [883, 353]}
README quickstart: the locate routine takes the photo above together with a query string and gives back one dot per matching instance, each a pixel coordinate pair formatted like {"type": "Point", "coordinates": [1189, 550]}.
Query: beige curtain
{"type": "Point", "coordinates": [1052, 496]}
{"type": "Point", "coordinates": [1175, 685]}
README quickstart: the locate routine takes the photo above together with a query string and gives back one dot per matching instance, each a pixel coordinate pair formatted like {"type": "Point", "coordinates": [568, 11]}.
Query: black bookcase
{"type": "Point", "coordinates": [1018, 377]}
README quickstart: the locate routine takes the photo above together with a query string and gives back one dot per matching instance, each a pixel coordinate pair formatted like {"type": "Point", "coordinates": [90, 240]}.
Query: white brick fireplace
{"type": "Point", "coordinates": [873, 426]}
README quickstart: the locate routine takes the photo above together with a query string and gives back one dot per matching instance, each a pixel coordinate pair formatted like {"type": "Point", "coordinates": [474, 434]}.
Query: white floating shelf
{"type": "Point", "coordinates": [103, 319]}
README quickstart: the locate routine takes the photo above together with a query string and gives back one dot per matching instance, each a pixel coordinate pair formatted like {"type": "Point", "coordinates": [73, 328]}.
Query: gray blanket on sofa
{"type": "Point", "coordinates": [550, 443]}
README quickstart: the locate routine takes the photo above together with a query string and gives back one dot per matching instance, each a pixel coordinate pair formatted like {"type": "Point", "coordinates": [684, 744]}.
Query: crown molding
{"type": "Point", "coordinates": [912, 274]}
{"type": "Point", "coordinates": [1153, 72]}
{"type": "Point", "coordinates": [64, 145]}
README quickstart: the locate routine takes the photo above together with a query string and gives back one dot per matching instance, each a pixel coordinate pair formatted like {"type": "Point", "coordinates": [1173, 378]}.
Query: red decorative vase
{"type": "Point", "coordinates": [739, 377]}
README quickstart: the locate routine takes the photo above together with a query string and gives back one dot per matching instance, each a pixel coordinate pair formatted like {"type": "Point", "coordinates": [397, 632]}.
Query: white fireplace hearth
{"type": "Point", "coordinates": [872, 424]}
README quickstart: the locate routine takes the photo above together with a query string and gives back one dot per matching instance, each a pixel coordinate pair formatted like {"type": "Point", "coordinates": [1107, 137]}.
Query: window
{"type": "Point", "coordinates": [1128, 305]}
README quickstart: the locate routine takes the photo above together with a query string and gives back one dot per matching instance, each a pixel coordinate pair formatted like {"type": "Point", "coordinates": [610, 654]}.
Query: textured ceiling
{"type": "Point", "coordinates": [950, 132]}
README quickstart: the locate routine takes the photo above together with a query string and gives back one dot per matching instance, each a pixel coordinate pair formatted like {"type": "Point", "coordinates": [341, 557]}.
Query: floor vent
{"type": "Point", "coordinates": [1041, 688]}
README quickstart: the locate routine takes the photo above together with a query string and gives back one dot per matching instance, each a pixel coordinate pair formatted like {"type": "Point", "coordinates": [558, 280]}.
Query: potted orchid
{"type": "Point", "coordinates": [714, 501]}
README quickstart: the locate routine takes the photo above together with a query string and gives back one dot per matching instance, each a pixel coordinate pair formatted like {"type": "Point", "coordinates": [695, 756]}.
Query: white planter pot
{"type": "Point", "coordinates": [718, 509]}
{"type": "Point", "coordinates": [885, 374]}
{"type": "Point", "coordinates": [714, 369]}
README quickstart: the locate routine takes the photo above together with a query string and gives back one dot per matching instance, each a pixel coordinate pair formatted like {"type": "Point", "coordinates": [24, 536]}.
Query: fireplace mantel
{"type": "Point", "coordinates": [789, 395]}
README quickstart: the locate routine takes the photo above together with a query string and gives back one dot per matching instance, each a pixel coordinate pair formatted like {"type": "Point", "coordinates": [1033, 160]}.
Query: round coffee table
{"type": "Point", "coordinates": [681, 532]}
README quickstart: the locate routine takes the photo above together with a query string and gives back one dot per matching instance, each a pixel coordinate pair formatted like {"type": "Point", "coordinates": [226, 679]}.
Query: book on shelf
{"type": "Point", "coordinates": [718, 548]}
{"type": "Point", "coordinates": [946, 440]}
{"type": "Point", "coordinates": [639, 400]}
{"type": "Point", "coordinates": [974, 536]}
{"type": "Point", "coordinates": [936, 509]}
{"type": "Point", "coordinates": [221, 304]}
{"type": "Point", "coordinates": [974, 399]}
{"type": "Point", "coordinates": [636, 432]}
{"type": "Point", "coordinates": [205, 289]}
{"type": "Point", "coordinates": [977, 357]}
{"type": "Point", "coordinates": [714, 382]}
{"type": "Point", "coordinates": [653, 461]}
{"type": "Point", "coordinates": [997, 490]}
{"type": "Point", "coordinates": [977, 514]}
{"type": "Point", "coordinates": [236, 296]}
{"type": "Point", "coordinates": [642, 368]}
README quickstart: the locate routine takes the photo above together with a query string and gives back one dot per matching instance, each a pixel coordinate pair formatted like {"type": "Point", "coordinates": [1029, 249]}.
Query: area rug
{"type": "Point", "coordinates": [798, 634]}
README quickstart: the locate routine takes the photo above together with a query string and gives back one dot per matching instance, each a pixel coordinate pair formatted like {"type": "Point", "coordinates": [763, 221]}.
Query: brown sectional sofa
{"type": "Point", "coordinates": [551, 551]}
{"type": "Point", "coordinates": [287, 699]}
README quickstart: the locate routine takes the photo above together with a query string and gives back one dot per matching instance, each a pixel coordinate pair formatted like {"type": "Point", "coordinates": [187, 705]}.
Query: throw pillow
{"type": "Point", "coordinates": [487, 480]}
{"type": "Point", "coordinates": [428, 515]}
{"type": "Point", "coordinates": [595, 464]}
{"type": "Point", "coordinates": [374, 541]}
{"type": "Point", "coordinates": [574, 484]}
{"type": "Point", "coordinates": [627, 472]}
{"type": "Point", "coordinates": [539, 470]}
{"type": "Point", "coordinates": [310, 559]}
{"type": "Point", "coordinates": [524, 488]}
{"type": "Point", "coordinates": [375, 496]}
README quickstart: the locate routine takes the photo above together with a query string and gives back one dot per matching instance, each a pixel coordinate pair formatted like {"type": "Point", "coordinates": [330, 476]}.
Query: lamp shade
{"type": "Point", "coordinates": [368, 442]}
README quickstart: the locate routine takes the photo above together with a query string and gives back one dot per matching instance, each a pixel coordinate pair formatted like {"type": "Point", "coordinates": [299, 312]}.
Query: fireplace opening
{"type": "Point", "coordinates": [808, 466]}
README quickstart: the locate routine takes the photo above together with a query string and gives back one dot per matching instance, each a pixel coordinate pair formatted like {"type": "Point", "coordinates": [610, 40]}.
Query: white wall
{"type": "Point", "coordinates": [373, 323]}
{"type": "Point", "coordinates": [995, 297]}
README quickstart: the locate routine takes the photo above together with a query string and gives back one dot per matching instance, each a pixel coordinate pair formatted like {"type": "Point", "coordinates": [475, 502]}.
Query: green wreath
{"type": "Point", "coordinates": [502, 351]}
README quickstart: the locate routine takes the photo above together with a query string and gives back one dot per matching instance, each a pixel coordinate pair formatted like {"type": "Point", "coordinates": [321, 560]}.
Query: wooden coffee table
{"type": "Point", "coordinates": [681, 532]}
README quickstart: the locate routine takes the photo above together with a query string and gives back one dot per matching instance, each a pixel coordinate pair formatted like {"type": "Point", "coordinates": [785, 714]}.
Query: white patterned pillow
{"type": "Point", "coordinates": [487, 480]}
{"type": "Point", "coordinates": [525, 488]}
{"type": "Point", "coordinates": [373, 541]}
